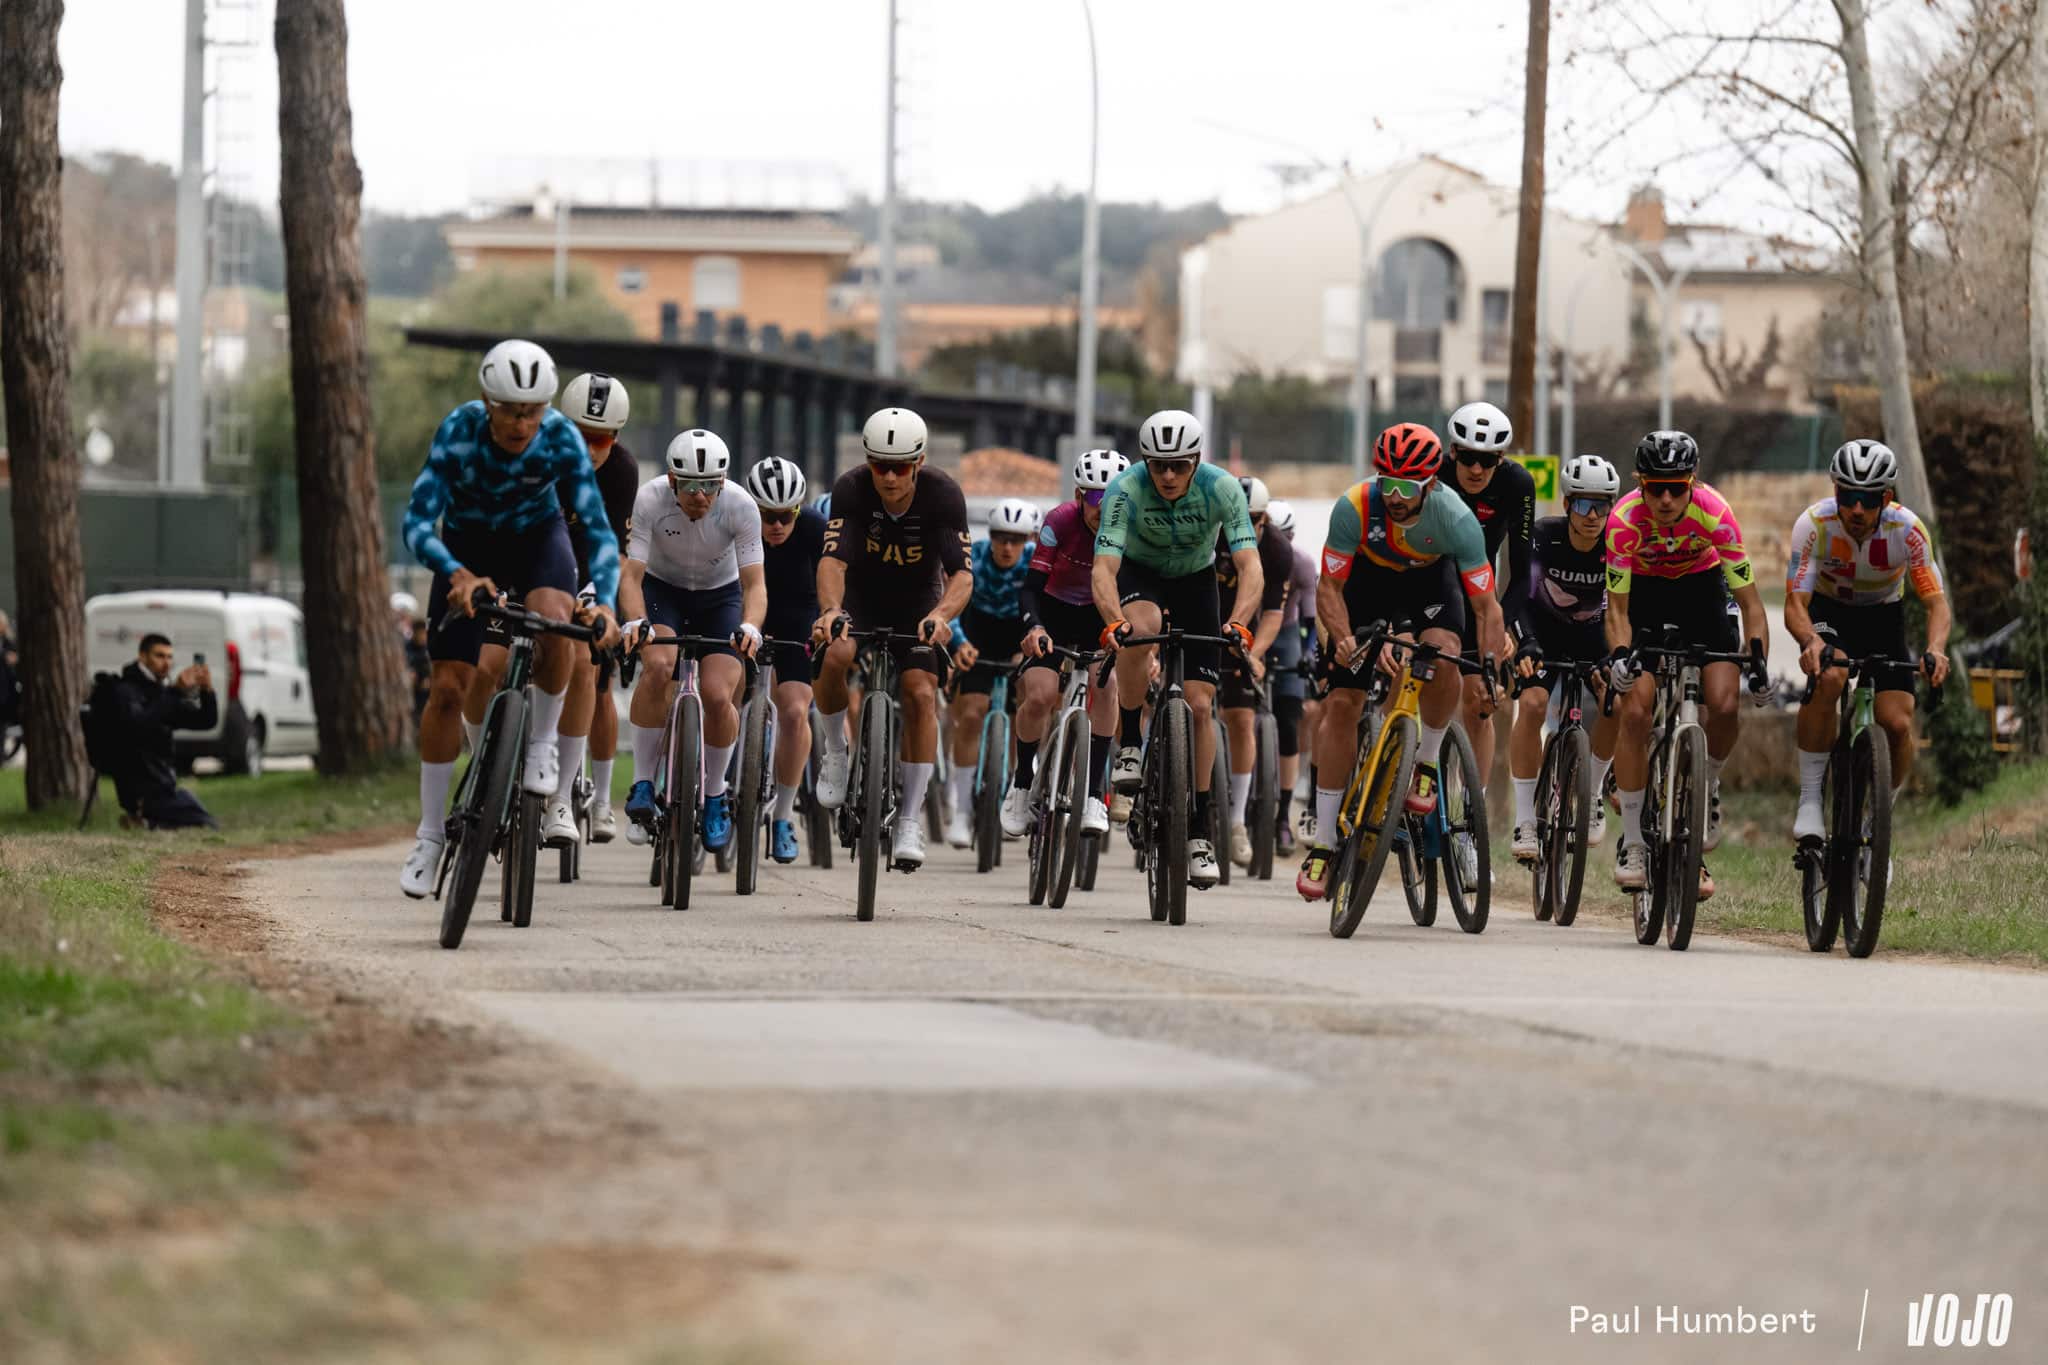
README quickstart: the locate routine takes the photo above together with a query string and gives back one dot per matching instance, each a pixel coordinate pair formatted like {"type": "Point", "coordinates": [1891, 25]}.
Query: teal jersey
{"type": "Point", "coordinates": [1174, 539]}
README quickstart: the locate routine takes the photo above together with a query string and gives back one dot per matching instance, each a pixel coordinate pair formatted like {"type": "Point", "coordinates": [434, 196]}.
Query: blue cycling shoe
{"type": "Point", "coordinates": [641, 807]}
{"type": "Point", "coordinates": [717, 821]}
{"type": "Point", "coordinates": [782, 840]}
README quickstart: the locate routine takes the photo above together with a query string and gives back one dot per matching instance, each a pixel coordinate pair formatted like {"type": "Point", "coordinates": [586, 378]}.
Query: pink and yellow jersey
{"type": "Point", "coordinates": [1707, 535]}
{"type": "Point", "coordinates": [1826, 559]}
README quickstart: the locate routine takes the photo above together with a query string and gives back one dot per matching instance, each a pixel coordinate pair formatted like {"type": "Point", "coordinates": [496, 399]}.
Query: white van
{"type": "Point", "coordinates": [256, 647]}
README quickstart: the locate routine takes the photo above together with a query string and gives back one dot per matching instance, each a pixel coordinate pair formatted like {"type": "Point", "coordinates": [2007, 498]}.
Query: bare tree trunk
{"type": "Point", "coordinates": [1880, 264]}
{"type": "Point", "coordinates": [358, 691]}
{"type": "Point", "coordinates": [2037, 275]}
{"type": "Point", "coordinates": [35, 367]}
{"type": "Point", "coordinates": [1529, 232]}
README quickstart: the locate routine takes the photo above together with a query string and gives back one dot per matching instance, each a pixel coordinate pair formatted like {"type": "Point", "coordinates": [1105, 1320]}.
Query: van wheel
{"type": "Point", "coordinates": [241, 744]}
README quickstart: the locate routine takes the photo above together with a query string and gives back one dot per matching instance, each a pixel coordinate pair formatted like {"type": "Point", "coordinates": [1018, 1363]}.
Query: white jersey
{"type": "Point", "coordinates": [1827, 561]}
{"type": "Point", "coordinates": [695, 555]}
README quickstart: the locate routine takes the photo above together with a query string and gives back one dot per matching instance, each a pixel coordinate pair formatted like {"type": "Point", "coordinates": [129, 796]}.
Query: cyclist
{"type": "Point", "coordinates": [1155, 557]}
{"type": "Point", "coordinates": [896, 549]}
{"type": "Point", "coordinates": [1502, 495]}
{"type": "Point", "coordinates": [490, 481]}
{"type": "Point", "coordinates": [1674, 555]}
{"type": "Point", "coordinates": [1292, 709]}
{"type": "Point", "coordinates": [1845, 585]}
{"type": "Point", "coordinates": [792, 540]}
{"type": "Point", "coordinates": [1399, 547]}
{"type": "Point", "coordinates": [693, 567]}
{"type": "Point", "coordinates": [1242, 678]}
{"type": "Point", "coordinates": [1057, 595]}
{"type": "Point", "coordinates": [1557, 619]}
{"type": "Point", "coordinates": [993, 627]}
{"type": "Point", "coordinates": [598, 405]}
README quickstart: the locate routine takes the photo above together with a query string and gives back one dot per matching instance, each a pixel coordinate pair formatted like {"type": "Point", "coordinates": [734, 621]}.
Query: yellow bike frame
{"type": "Point", "coordinates": [1407, 702]}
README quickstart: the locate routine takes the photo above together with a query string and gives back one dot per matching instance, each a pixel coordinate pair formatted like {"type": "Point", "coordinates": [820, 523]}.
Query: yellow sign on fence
{"type": "Point", "coordinates": [1544, 469]}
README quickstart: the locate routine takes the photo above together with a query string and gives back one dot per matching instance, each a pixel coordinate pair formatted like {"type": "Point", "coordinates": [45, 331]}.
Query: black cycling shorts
{"type": "Point", "coordinates": [1069, 626]}
{"type": "Point", "coordinates": [1562, 642]}
{"type": "Point", "coordinates": [997, 638]}
{"type": "Point", "coordinates": [1189, 602]}
{"type": "Point", "coordinates": [517, 561]}
{"type": "Point", "coordinates": [1696, 604]}
{"type": "Point", "coordinates": [903, 646]}
{"type": "Point", "coordinates": [790, 652]}
{"type": "Point", "coordinates": [710, 611]}
{"type": "Point", "coordinates": [1877, 628]}
{"type": "Point", "coordinates": [1428, 597]}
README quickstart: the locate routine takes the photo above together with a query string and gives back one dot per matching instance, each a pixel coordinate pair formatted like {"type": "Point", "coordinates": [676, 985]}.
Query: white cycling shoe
{"type": "Point", "coordinates": [604, 826]}
{"type": "Point", "coordinates": [1713, 839]}
{"type": "Point", "coordinates": [832, 773]}
{"type": "Point", "coordinates": [1120, 808]}
{"type": "Point", "coordinates": [417, 878]}
{"type": "Point", "coordinates": [1094, 817]}
{"type": "Point", "coordinates": [1202, 869]}
{"type": "Point", "coordinates": [1240, 846]}
{"type": "Point", "coordinates": [1809, 823]}
{"type": "Point", "coordinates": [1631, 873]}
{"type": "Point", "coordinates": [958, 833]}
{"type": "Point", "coordinates": [1596, 825]}
{"type": "Point", "coordinates": [542, 770]}
{"type": "Point", "coordinates": [1127, 773]}
{"type": "Point", "coordinates": [1525, 847]}
{"type": "Point", "coordinates": [908, 849]}
{"type": "Point", "coordinates": [1016, 813]}
{"type": "Point", "coordinates": [560, 830]}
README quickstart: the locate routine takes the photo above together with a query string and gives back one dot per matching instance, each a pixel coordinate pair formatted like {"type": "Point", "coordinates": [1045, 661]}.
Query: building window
{"type": "Point", "coordinates": [1493, 327]}
{"type": "Point", "coordinates": [1700, 319]}
{"type": "Point", "coordinates": [632, 279]}
{"type": "Point", "coordinates": [1419, 283]}
{"type": "Point", "coordinates": [715, 284]}
{"type": "Point", "coordinates": [1497, 392]}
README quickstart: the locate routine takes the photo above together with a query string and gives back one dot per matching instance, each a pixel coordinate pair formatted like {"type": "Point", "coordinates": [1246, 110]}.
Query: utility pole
{"type": "Point", "coordinates": [1091, 277]}
{"type": "Point", "coordinates": [885, 327]}
{"type": "Point", "coordinates": [188, 456]}
{"type": "Point", "coordinates": [1529, 228]}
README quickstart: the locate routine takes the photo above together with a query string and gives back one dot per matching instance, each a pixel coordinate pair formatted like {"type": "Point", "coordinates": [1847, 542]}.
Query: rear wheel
{"type": "Point", "coordinates": [1264, 815]}
{"type": "Point", "coordinates": [1167, 867]}
{"type": "Point", "coordinates": [1549, 807]}
{"type": "Point", "coordinates": [1069, 793]}
{"type": "Point", "coordinates": [1567, 839]}
{"type": "Point", "coordinates": [1385, 788]}
{"type": "Point", "coordinates": [746, 816]}
{"type": "Point", "coordinates": [1688, 832]}
{"type": "Point", "coordinates": [472, 827]}
{"type": "Point", "coordinates": [1418, 871]}
{"type": "Point", "coordinates": [524, 853]}
{"type": "Point", "coordinates": [989, 781]}
{"type": "Point", "coordinates": [874, 796]}
{"type": "Point", "coordinates": [1866, 873]}
{"type": "Point", "coordinates": [1462, 845]}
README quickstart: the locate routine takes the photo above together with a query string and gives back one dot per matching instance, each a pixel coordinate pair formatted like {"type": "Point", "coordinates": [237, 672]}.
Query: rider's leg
{"type": "Point", "coordinates": [1895, 715]}
{"type": "Point", "coordinates": [1440, 699]}
{"type": "Point", "coordinates": [648, 711]}
{"type": "Point", "coordinates": [1241, 724]}
{"type": "Point", "coordinates": [1525, 750]}
{"type": "Point", "coordinates": [1815, 731]}
{"type": "Point", "coordinates": [1632, 757]}
{"type": "Point", "coordinates": [1721, 694]}
{"type": "Point", "coordinates": [1336, 749]}
{"type": "Point", "coordinates": [720, 680]}
{"type": "Point", "coordinates": [604, 735]}
{"type": "Point", "coordinates": [1202, 702]}
{"type": "Point", "coordinates": [1039, 685]}
{"type": "Point", "coordinates": [1134, 673]}
{"type": "Point", "coordinates": [440, 741]}
{"type": "Point", "coordinates": [576, 718]}
{"type": "Point", "coordinates": [920, 736]}
{"type": "Point", "coordinates": [1102, 720]}
{"type": "Point", "coordinates": [483, 681]}
{"type": "Point", "coordinates": [553, 657]}
{"type": "Point", "coordinates": [830, 693]}
{"type": "Point", "coordinates": [792, 743]}
{"type": "Point", "coordinates": [1477, 713]}
{"type": "Point", "coordinates": [969, 709]}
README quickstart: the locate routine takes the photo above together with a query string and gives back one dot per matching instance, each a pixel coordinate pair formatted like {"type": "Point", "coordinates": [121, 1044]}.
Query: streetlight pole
{"type": "Point", "coordinates": [1091, 279]}
{"type": "Point", "coordinates": [885, 326]}
{"type": "Point", "coordinates": [1667, 293]}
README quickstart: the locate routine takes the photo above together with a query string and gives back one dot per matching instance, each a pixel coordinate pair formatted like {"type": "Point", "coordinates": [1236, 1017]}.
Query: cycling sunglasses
{"type": "Point", "coordinates": [1586, 507]}
{"type": "Point", "coordinates": [1477, 459]}
{"type": "Point", "coordinates": [889, 469]}
{"type": "Point", "coordinates": [1665, 488]}
{"type": "Point", "coordinates": [1094, 496]}
{"type": "Point", "coordinates": [1868, 498]}
{"type": "Point", "coordinates": [778, 516]}
{"type": "Point", "coordinates": [701, 486]}
{"type": "Point", "coordinates": [1179, 469]}
{"type": "Point", "coordinates": [1408, 490]}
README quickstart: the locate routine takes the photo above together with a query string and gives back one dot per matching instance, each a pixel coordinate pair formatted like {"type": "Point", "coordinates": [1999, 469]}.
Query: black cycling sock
{"type": "Point", "coordinates": [1098, 755]}
{"type": "Point", "coordinates": [1133, 726]}
{"type": "Point", "coordinates": [1201, 811]}
{"type": "Point", "coordinates": [1027, 762]}
{"type": "Point", "coordinates": [1286, 800]}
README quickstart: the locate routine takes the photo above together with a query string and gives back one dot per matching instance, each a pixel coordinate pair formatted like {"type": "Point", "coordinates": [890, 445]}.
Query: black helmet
{"type": "Point", "coordinates": [1667, 455]}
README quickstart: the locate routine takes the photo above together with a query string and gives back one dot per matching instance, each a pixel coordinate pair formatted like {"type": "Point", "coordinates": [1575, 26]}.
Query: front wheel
{"type": "Point", "coordinates": [989, 782]}
{"type": "Point", "coordinates": [1819, 906]}
{"type": "Point", "coordinates": [874, 798]}
{"type": "Point", "coordinates": [1366, 855]}
{"type": "Point", "coordinates": [679, 810]}
{"type": "Point", "coordinates": [523, 852]}
{"type": "Point", "coordinates": [1069, 802]}
{"type": "Point", "coordinates": [1467, 860]}
{"type": "Point", "coordinates": [1264, 815]}
{"type": "Point", "coordinates": [1865, 875]}
{"type": "Point", "coordinates": [1418, 873]}
{"type": "Point", "coordinates": [746, 815]}
{"type": "Point", "coordinates": [1565, 841]}
{"type": "Point", "coordinates": [1219, 803]}
{"type": "Point", "coordinates": [1169, 802]}
{"type": "Point", "coordinates": [1681, 869]}
{"type": "Point", "coordinates": [473, 825]}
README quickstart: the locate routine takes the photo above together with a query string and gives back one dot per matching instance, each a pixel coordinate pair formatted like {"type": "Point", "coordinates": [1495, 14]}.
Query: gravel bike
{"type": "Point", "coordinates": [679, 776]}
{"type": "Point", "coordinates": [1059, 789]}
{"type": "Point", "coordinates": [991, 768]}
{"type": "Point", "coordinates": [868, 814]}
{"type": "Point", "coordinates": [1163, 807]}
{"type": "Point", "coordinates": [1564, 793]}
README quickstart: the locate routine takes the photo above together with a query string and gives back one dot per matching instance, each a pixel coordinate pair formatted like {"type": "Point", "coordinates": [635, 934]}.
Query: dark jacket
{"type": "Point", "coordinates": [149, 712]}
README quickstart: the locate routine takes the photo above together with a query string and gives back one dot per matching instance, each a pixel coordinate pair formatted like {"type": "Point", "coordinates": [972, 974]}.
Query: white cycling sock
{"type": "Point", "coordinates": [1631, 818]}
{"type": "Point", "coordinates": [916, 777]}
{"type": "Point", "coordinates": [646, 750]}
{"type": "Point", "coordinates": [547, 716]}
{"type": "Point", "coordinates": [1432, 743]}
{"type": "Point", "coordinates": [1600, 767]}
{"type": "Point", "coordinates": [571, 749]}
{"type": "Point", "coordinates": [1812, 769]}
{"type": "Point", "coordinates": [1328, 799]}
{"type": "Point", "coordinates": [1714, 766]}
{"type": "Point", "coordinates": [785, 800]}
{"type": "Point", "coordinates": [472, 731]}
{"type": "Point", "coordinates": [1525, 800]}
{"type": "Point", "coordinates": [1240, 797]}
{"type": "Point", "coordinates": [434, 780]}
{"type": "Point", "coordinates": [833, 723]}
{"type": "Point", "coordinates": [601, 778]}
{"type": "Point", "coordinates": [716, 758]}
{"type": "Point", "coordinates": [959, 787]}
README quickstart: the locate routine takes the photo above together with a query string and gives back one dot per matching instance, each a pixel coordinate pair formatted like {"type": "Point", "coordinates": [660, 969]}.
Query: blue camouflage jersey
{"type": "Point", "coordinates": [468, 484]}
{"type": "Point", "coordinates": [997, 591]}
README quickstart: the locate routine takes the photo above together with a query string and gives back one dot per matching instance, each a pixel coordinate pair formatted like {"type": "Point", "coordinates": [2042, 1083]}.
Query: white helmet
{"type": "Point", "coordinates": [1865, 464]}
{"type": "Point", "coordinates": [1014, 517]}
{"type": "Point", "coordinates": [596, 400]}
{"type": "Point", "coordinates": [1589, 476]}
{"type": "Point", "coordinates": [1170, 435]}
{"type": "Point", "coordinates": [1280, 516]}
{"type": "Point", "coordinates": [1256, 498]}
{"type": "Point", "coordinates": [698, 455]}
{"type": "Point", "coordinates": [1095, 468]}
{"type": "Point", "coordinates": [405, 604]}
{"type": "Point", "coordinates": [518, 372]}
{"type": "Point", "coordinates": [895, 434]}
{"type": "Point", "coordinates": [776, 483]}
{"type": "Point", "coordinates": [1480, 426]}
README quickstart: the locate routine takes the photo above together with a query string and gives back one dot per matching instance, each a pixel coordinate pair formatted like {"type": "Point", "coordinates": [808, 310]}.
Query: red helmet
{"type": "Point", "coordinates": [1408, 450]}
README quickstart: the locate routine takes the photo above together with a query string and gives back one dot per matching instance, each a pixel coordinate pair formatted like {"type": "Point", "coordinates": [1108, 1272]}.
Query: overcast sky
{"type": "Point", "coordinates": [782, 100]}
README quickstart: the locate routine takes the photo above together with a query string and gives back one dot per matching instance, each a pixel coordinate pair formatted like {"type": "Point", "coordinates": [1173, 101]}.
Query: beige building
{"type": "Point", "coordinates": [768, 265]}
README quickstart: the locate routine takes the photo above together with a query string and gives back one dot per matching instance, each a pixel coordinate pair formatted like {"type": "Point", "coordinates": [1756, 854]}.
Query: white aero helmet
{"type": "Point", "coordinates": [518, 372]}
{"type": "Point", "coordinates": [776, 483]}
{"type": "Point", "coordinates": [596, 400]}
{"type": "Point", "coordinates": [698, 455]}
{"type": "Point", "coordinates": [1589, 476]}
{"type": "Point", "coordinates": [1170, 435]}
{"type": "Point", "coordinates": [1865, 464]}
{"type": "Point", "coordinates": [894, 434]}
{"type": "Point", "coordinates": [1479, 426]}
{"type": "Point", "coordinates": [1014, 517]}
{"type": "Point", "coordinates": [1256, 498]}
{"type": "Point", "coordinates": [405, 604]}
{"type": "Point", "coordinates": [1280, 516]}
{"type": "Point", "coordinates": [1095, 468]}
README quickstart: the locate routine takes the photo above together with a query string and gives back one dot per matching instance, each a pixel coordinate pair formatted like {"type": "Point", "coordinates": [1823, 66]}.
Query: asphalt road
{"type": "Point", "coordinates": [975, 1130]}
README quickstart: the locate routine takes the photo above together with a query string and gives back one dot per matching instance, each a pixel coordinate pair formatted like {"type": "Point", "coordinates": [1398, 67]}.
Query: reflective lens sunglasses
{"type": "Point", "coordinates": [1406, 489]}
{"type": "Point", "coordinates": [1477, 459]}
{"type": "Point", "coordinates": [778, 516]}
{"type": "Point", "coordinates": [1177, 468]}
{"type": "Point", "coordinates": [1094, 496]}
{"type": "Point", "coordinates": [700, 486]}
{"type": "Point", "coordinates": [1665, 488]}
{"type": "Point", "coordinates": [889, 469]}
{"type": "Point", "coordinates": [1867, 498]}
{"type": "Point", "coordinates": [1586, 507]}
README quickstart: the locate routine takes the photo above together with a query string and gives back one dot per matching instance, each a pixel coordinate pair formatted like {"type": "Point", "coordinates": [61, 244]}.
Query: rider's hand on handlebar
{"type": "Point", "coordinates": [1623, 668]}
{"type": "Point", "coordinates": [599, 617]}
{"type": "Point", "coordinates": [1037, 644]}
{"type": "Point", "coordinates": [966, 656]}
{"type": "Point", "coordinates": [462, 586]}
{"type": "Point", "coordinates": [1240, 635]}
{"type": "Point", "coordinates": [1809, 655]}
{"type": "Point", "coordinates": [1529, 658]}
{"type": "Point", "coordinates": [827, 627]}
{"type": "Point", "coordinates": [935, 629]}
{"type": "Point", "coordinates": [1934, 663]}
{"type": "Point", "coordinates": [1114, 634]}
{"type": "Point", "coordinates": [1760, 688]}
{"type": "Point", "coordinates": [747, 640]}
